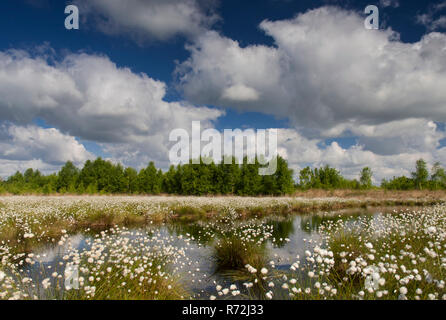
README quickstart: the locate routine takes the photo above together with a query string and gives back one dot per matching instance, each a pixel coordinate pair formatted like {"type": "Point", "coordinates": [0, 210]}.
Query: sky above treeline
{"type": "Point", "coordinates": [339, 93]}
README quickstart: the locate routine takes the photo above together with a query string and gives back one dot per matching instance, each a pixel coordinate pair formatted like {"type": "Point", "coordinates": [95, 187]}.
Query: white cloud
{"type": "Point", "coordinates": [139, 153]}
{"type": "Point", "coordinates": [301, 152]}
{"type": "Point", "coordinates": [409, 135]}
{"type": "Point", "coordinates": [218, 64]}
{"type": "Point", "coordinates": [325, 70]}
{"type": "Point", "coordinates": [32, 142]}
{"type": "Point", "coordinates": [9, 167]}
{"type": "Point", "coordinates": [240, 93]}
{"type": "Point", "coordinates": [89, 97]}
{"type": "Point", "coordinates": [389, 3]}
{"type": "Point", "coordinates": [45, 149]}
{"type": "Point", "coordinates": [432, 23]}
{"type": "Point", "coordinates": [150, 19]}
{"type": "Point", "coordinates": [431, 19]}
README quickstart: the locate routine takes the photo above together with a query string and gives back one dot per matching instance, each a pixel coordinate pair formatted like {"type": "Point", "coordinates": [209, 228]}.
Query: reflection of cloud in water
{"type": "Point", "coordinates": [51, 254]}
{"type": "Point", "coordinates": [296, 246]}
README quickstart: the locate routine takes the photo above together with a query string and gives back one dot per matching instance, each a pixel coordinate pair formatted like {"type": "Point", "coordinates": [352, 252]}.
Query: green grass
{"type": "Point", "coordinates": [232, 253]}
{"type": "Point", "coordinates": [112, 288]}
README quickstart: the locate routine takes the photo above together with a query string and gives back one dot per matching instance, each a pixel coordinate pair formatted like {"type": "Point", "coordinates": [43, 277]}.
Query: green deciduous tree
{"type": "Point", "coordinates": [366, 178]}
{"type": "Point", "coordinates": [421, 174]}
{"type": "Point", "coordinates": [438, 176]}
{"type": "Point", "coordinates": [67, 177]}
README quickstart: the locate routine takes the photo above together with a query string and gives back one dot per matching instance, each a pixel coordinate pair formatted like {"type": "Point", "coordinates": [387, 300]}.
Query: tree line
{"type": "Point", "coordinates": [104, 177]}
{"type": "Point", "coordinates": [420, 179]}
{"type": "Point", "coordinates": [330, 178]}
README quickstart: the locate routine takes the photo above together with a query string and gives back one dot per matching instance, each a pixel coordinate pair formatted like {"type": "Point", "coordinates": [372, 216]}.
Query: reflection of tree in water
{"type": "Point", "coordinates": [281, 229]}
{"type": "Point", "coordinates": [201, 234]}
{"type": "Point", "coordinates": [311, 223]}
{"type": "Point", "coordinates": [205, 233]}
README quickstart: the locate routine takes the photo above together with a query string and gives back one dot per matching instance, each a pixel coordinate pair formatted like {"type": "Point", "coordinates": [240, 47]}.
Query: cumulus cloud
{"type": "Point", "coordinates": [325, 70]}
{"type": "Point", "coordinates": [44, 149]}
{"type": "Point", "coordinates": [32, 142]}
{"type": "Point", "coordinates": [9, 167]}
{"type": "Point", "coordinates": [240, 93]}
{"type": "Point", "coordinates": [409, 135]}
{"type": "Point", "coordinates": [432, 23]}
{"type": "Point", "coordinates": [150, 19]}
{"type": "Point", "coordinates": [218, 66]}
{"type": "Point", "coordinates": [89, 97]}
{"type": "Point", "coordinates": [301, 152]}
{"type": "Point", "coordinates": [432, 20]}
{"type": "Point", "coordinates": [139, 153]}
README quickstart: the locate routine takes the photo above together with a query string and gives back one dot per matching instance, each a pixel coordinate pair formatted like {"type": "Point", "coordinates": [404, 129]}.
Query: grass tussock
{"type": "Point", "coordinates": [233, 253]}
{"type": "Point", "coordinates": [116, 287]}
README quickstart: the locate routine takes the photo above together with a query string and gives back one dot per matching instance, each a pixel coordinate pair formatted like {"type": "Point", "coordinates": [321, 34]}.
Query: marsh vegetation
{"type": "Point", "coordinates": [221, 248]}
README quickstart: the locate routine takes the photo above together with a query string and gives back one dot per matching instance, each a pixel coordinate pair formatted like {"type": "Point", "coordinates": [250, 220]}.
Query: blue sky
{"type": "Point", "coordinates": [184, 62]}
